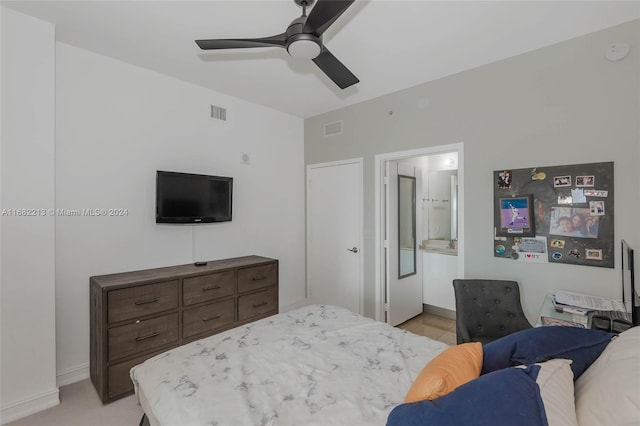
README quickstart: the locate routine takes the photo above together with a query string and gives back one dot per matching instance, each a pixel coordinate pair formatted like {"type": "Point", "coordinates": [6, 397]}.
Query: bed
{"type": "Point", "coordinates": [317, 365]}
{"type": "Point", "coordinates": [324, 365]}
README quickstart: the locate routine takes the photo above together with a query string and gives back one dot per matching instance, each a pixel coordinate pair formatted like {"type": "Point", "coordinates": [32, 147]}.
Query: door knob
{"type": "Point", "coordinates": [353, 250]}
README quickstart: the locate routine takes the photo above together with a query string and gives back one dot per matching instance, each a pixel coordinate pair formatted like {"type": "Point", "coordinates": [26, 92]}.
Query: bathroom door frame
{"type": "Point", "coordinates": [380, 220]}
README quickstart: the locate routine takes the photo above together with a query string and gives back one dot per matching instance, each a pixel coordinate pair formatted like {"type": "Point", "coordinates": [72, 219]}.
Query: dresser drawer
{"type": "Point", "coordinates": [257, 277]}
{"type": "Point", "coordinates": [119, 379]}
{"type": "Point", "coordinates": [208, 287]}
{"type": "Point", "coordinates": [208, 318]}
{"type": "Point", "coordinates": [134, 302]}
{"type": "Point", "coordinates": [256, 304]}
{"type": "Point", "coordinates": [142, 336]}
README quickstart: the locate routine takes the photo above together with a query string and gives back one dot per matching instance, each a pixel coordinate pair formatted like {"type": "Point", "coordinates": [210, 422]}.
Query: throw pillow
{"type": "Point", "coordinates": [453, 367]}
{"type": "Point", "coordinates": [527, 347]}
{"type": "Point", "coordinates": [609, 391]}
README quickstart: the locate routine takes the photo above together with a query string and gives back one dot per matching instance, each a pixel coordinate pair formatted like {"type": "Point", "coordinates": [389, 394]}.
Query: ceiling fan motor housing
{"type": "Point", "coordinates": [300, 44]}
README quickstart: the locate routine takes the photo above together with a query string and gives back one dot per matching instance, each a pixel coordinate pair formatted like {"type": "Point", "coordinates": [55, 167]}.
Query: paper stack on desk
{"type": "Point", "coordinates": [568, 300]}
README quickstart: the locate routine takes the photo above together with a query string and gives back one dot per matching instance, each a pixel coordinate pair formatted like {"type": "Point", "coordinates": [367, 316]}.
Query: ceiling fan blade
{"type": "Point", "coordinates": [323, 14]}
{"type": "Point", "coordinates": [334, 69]}
{"type": "Point", "coordinates": [279, 40]}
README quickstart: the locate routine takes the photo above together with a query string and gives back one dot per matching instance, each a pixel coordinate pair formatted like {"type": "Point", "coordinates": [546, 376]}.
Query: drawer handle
{"type": "Point", "coordinates": [259, 304]}
{"type": "Point", "coordinates": [264, 277]}
{"type": "Point", "coordinates": [209, 288]}
{"type": "Point", "coordinates": [211, 318]}
{"type": "Point", "coordinates": [145, 301]}
{"type": "Point", "coordinates": [148, 336]}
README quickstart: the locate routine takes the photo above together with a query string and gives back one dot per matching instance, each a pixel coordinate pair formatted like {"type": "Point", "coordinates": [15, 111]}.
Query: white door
{"type": "Point", "coordinates": [403, 231]}
{"type": "Point", "coordinates": [334, 234]}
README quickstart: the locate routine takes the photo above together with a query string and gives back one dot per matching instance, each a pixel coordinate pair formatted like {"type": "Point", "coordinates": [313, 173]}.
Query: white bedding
{"type": "Point", "coordinates": [317, 365]}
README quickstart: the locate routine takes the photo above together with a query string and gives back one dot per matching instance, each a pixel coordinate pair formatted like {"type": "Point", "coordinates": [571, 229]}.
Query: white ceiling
{"type": "Point", "coordinates": [389, 45]}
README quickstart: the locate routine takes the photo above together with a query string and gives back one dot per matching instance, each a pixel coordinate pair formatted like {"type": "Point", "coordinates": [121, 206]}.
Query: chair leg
{"type": "Point", "coordinates": [462, 335]}
{"type": "Point", "coordinates": [144, 421]}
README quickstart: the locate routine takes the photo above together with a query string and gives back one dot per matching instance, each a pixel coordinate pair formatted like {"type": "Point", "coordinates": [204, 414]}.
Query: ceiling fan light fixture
{"type": "Point", "coordinates": [304, 49]}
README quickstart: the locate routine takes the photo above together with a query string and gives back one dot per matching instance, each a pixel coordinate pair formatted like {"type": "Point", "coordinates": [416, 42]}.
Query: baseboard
{"type": "Point", "coordinates": [442, 312]}
{"type": "Point", "coordinates": [28, 406]}
{"type": "Point", "coordinates": [295, 305]}
{"type": "Point", "coordinates": [73, 374]}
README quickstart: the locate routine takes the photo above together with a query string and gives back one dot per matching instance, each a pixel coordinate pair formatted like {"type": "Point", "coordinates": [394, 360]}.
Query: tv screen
{"type": "Point", "coordinates": [192, 198]}
{"type": "Point", "coordinates": [629, 291]}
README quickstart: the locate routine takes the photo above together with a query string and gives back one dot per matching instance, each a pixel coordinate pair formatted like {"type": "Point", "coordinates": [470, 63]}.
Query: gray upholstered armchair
{"type": "Point", "coordinates": [487, 310]}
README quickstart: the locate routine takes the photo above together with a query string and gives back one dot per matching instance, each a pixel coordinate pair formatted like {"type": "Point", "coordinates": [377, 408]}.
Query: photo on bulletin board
{"type": "Point", "coordinates": [515, 217]}
{"type": "Point", "coordinates": [573, 222]}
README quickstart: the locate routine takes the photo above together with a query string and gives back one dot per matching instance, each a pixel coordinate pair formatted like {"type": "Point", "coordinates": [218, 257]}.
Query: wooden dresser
{"type": "Point", "coordinates": [136, 315]}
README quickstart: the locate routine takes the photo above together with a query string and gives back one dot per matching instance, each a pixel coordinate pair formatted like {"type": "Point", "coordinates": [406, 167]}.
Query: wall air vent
{"type": "Point", "coordinates": [333, 129]}
{"type": "Point", "coordinates": [218, 112]}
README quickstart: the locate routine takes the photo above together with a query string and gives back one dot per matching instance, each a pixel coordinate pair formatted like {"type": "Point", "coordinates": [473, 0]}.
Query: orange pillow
{"type": "Point", "coordinates": [451, 368]}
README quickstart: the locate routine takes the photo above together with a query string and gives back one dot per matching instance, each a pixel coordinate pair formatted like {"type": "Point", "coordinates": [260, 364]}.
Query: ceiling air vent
{"type": "Point", "coordinates": [218, 112]}
{"type": "Point", "coordinates": [333, 129]}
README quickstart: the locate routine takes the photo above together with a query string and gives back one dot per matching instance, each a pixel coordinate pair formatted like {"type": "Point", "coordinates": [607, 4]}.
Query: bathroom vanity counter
{"type": "Point", "coordinates": [450, 248]}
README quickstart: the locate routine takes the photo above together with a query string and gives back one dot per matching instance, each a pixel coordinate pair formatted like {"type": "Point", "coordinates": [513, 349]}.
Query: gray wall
{"type": "Point", "coordinates": [563, 104]}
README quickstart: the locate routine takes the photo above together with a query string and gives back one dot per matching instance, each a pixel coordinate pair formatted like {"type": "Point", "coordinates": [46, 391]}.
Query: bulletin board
{"type": "Point", "coordinates": [558, 214]}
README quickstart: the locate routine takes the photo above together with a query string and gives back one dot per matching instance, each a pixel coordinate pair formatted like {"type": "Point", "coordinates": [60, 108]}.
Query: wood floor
{"type": "Point", "coordinates": [433, 326]}
{"type": "Point", "coordinates": [80, 405]}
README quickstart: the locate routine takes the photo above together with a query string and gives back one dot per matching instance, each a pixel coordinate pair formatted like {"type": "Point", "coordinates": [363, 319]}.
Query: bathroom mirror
{"type": "Point", "coordinates": [442, 205]}
{"type": "Point", "coordinates": [406, 226]}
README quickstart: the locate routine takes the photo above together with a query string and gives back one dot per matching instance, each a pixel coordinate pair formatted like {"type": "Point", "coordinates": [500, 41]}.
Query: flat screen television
{"type": "Point", "coordinates": [193, 198]}
{"type": "Point", "coordinates": [629, 291]}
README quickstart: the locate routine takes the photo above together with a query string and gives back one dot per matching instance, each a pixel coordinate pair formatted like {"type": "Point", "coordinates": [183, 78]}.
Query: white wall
{"type": "Point", "coordinates": [563, 104]}
{"type": "Point", "coordinates": [28, 363]}
{"type": "Point", "coordinates": [116, 125]}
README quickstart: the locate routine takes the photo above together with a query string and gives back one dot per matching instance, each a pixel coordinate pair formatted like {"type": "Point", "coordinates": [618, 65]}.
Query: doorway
{"type": "Point", "coordinates": [386, 282]}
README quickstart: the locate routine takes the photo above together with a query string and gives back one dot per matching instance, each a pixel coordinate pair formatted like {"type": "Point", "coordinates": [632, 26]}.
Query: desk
{"type": "Point", "coordinates": [550, 312]}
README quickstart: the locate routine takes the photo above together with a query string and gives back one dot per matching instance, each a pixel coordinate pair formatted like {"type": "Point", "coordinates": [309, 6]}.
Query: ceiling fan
{"type": "Point", "coordinates": [302, 39]}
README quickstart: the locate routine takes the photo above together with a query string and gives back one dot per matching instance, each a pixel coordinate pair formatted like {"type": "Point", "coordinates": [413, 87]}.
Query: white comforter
{"type": "Point", "coordinates": [317, 365]}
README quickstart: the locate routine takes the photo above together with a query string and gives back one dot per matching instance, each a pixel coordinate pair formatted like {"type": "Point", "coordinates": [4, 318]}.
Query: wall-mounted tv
{"type": "Point", "coordinates": [193, 198]}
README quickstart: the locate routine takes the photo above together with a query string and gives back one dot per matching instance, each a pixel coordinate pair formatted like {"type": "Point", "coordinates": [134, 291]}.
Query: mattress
{"type": "Point", "coordinates": [317, 365]}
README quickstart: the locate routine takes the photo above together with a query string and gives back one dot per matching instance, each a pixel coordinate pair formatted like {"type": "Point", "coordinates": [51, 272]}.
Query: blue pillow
{"type": "Point", "coordinates": [526, 347]}
{"type": "Point", "coordinates": [503, 398]}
